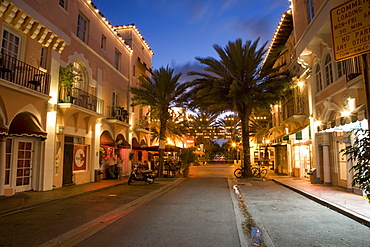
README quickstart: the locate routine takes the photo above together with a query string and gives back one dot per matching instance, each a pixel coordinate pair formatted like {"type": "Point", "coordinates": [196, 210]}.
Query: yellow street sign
{"type": "Point", "coordinates": [350, 29]}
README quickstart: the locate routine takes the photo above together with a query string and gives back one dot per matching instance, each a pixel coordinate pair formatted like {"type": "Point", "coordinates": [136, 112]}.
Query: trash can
{"type": "Point", "coordinates": [313, 178]}
{"type": "Point", "coordinates": [98, 175]}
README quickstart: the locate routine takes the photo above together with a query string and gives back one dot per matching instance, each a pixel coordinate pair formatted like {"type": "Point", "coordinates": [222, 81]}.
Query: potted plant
{"type": "Point", "coordinates": [67, 78]}
{"type": "Point", "coordinates": [187, 156]}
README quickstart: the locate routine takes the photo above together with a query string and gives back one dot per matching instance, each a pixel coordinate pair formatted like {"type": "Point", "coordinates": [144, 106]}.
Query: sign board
{"type": "Point", "coordinates": [350, 29]}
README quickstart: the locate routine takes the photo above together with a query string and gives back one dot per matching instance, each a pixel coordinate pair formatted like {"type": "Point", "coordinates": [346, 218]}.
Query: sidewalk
{"type": "Point", "coordinates": [336, 198]}
{"type": "Point", "coordinates": [24, 200]}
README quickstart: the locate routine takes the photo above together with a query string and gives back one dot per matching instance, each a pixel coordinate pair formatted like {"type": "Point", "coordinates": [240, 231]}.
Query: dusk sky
{"type": "Point", "coordinates": [179, 30]}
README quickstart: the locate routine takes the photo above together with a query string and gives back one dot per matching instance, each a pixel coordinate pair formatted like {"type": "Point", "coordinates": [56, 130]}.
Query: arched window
{"type": "Point", "coordinates": [82, 80]}
{"type": "Point", "coordinates": [328, 71]}
{"type": "Point", "coordinates": [318, 78]}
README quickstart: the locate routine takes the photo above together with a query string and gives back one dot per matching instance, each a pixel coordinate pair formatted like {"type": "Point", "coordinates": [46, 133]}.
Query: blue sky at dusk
{"type": "Point", "coordinates": [180, 30]}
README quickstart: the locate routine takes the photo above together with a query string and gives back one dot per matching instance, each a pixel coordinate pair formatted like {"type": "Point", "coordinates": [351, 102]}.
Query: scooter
{"type": "Point", "coordinates": [146, 175]}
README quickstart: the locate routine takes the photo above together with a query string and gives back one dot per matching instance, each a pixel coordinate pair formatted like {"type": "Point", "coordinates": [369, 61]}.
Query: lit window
{"type": "Point", "coordinates": [117, 57]}
{"type": "Point", "coordinates": [310, 10]}
{"type": "Point", "coordinates": [82, 78]}
{"type": "Point", "coordinates": [318, 78]}
{"type": "Point", "coordinates": [103, 42]}
{"type": "Point", "coordinates": [82, 28]}
{"type": "Point", "coordinates": [328, 71]}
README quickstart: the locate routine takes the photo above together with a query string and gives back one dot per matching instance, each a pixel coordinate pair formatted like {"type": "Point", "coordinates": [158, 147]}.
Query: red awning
{"type": "Point", "coordinates": [26, 124]}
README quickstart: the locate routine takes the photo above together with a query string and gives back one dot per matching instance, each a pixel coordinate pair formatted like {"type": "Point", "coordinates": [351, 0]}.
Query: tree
{"type": "Point", "coordinates": [239, 81]}
{"type": "Point", "coordinates": [160, 92]}
{"type": "Point", "coordinates": [359, 152]}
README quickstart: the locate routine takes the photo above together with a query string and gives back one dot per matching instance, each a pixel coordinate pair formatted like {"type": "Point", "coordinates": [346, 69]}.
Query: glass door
{"type": "Point", "coordinates": [23, 165]}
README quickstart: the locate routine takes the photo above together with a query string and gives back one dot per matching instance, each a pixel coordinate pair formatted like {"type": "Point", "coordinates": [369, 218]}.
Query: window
{"type": "Point", "coordinates": [10, 44]}
{"type": "Point", "coordinates": [82, 28]}
{"type": "Point", "coordinates": [82, 80]}
{"type": "Point", "coordinates": [44, 51]}
{"type": "Point", "coordinates": [310, 10]}
{"type": "Point", "coordinates": [63, 4]}
{"type": "Point", "coordinates": [103, 42]}
{"type": "Point", "coordinates": [114, 103]}
{"type": "Point", "coordinates": [328, 71]}
{"type": "Point", "coordinates": [117, 58]}
{"type": "Point", "coordinates": [318, 78]}
{"type": "Point", "coordinates": [341, 68]}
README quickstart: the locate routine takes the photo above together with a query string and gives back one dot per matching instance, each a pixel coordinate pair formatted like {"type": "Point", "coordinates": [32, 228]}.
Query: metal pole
{"type": "Point", "coordinates": [366, 75]}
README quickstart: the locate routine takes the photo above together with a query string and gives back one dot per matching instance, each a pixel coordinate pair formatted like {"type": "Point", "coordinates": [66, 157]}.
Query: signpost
{"type": "Point", "coordinates": [350, 30]}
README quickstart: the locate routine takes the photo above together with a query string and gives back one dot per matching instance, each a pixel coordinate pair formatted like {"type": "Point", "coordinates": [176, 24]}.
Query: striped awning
{"type": "Point", "coordinates": [304, 134]}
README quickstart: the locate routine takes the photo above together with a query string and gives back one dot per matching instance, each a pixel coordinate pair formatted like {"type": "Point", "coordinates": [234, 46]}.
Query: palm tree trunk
{"type": "Point", "coordinates": [246, 146]}
{"type": "Point", "coordinates": [162, 146]}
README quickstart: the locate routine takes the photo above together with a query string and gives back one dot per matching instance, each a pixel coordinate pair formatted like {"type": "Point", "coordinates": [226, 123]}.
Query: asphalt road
{"type": "Point", "coordinates": [200, 211]}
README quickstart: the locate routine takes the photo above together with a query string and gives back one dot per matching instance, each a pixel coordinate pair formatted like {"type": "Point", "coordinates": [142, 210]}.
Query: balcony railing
{"type": "Point", "coordinates": [118, 113]}
{"type": "Point", "coordinates": [80, 98]}
{"type": "Point", "coordinates": [292, 107]}
{"type": "Point", "coordinates": [23, 74]}
{"type": "Point", "coordinates": [353, 68]}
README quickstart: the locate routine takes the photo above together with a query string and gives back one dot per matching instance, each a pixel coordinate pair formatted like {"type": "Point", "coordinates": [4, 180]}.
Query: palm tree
{"type": "Point", "coordinates": [240, 82]}
{"type": "Point", "coordinates": [160, 92]}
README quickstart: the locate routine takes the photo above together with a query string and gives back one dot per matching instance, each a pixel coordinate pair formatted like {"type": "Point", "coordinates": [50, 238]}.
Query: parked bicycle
{"type": "Point", "coordinates": [257, 171]}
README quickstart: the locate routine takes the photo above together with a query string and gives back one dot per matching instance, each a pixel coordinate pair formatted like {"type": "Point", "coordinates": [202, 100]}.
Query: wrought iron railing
{"type": "Point", "coordinates": [353, 68]}
{"type": "Point", "coordinates": [76, 96]}
{"type": "Point", "coordinates": [23, 74]}
{"type": "Point", "coordinates": [118, 113]}
{"type": "Point", "coordinates": [292, 107]}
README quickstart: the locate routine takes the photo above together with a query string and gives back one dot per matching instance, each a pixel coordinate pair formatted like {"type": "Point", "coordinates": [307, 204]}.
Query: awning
{"type": "Point", "coordinates": [121, 142]}
{"type": "Point", "coordinates": [136, 144]}
{"type": "Point", "coordinates": [26, 124]}
{"type": "Point", "coordinates": [3, 129]}
{"type": "Point", "coordinates": [106, 139]}
{"type": "Point", "coordinates": [304, 134]}
{"type": "Point", "coordinates": [168, 148]}
{"type": "Point", "coordinates": [349, 126]}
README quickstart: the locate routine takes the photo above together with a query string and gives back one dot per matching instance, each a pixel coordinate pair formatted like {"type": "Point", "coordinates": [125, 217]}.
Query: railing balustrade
{"type": "Point", "coordinates": [23, 74]}
{"type": "Point", "coordinates": [76, 96]}
{"type": "Point", "coordinates": [118, 113]}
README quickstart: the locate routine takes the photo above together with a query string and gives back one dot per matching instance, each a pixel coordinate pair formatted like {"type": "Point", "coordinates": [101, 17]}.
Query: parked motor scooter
{"type": "Point", "coordinates": [146, 175]}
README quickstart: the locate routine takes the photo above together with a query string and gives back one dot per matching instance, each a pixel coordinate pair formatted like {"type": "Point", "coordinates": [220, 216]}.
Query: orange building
{"type": "Point", "coordinates": [64, 93]}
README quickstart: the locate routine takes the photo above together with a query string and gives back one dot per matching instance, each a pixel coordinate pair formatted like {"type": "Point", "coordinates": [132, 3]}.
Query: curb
{"type": "Point", "coordinates": [349, 213]}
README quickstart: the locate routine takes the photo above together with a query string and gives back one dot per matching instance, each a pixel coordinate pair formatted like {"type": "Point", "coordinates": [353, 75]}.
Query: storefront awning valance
{"type": "Point", "coordinates": [26, 124]}
{"type": "Point", "coordinates": [106, 139]}
{"type": "Point", "coordinates": [121, 142]}
{"type": "Point", "coordinates": [304, 134]}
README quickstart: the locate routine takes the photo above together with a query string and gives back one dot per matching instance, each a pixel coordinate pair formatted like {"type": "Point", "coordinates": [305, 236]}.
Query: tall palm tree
{"type": "Point", "coordinates": [239, 81]}
{"type": "Point", "coordinates": [160, 92]}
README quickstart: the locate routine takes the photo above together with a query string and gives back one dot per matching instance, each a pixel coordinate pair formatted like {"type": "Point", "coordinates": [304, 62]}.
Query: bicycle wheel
{"type": "Point", "coordinates": [263, 173]}
{"type": "Point", "coordinates": [254, 172]}
{"type": "Point", "coordinates": [238, 173]}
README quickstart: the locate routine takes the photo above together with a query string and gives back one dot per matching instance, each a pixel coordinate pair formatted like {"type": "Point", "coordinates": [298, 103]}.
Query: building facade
{"type": "Point", "coordinates": [328, 102]}
{"type": "Point", "coordinates": [55, 131]}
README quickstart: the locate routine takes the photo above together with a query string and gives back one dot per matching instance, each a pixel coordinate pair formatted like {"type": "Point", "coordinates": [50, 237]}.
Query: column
{"type": "Point", "coordinates": [326, 165]}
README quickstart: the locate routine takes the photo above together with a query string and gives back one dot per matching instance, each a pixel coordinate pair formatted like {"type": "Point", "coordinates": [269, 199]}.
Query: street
{"type": "Point", "coordinates": [199, 211]}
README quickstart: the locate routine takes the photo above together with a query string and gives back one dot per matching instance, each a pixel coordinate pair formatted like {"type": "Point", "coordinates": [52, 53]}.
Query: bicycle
{"type": "Point", "coordinates": [256, 172]}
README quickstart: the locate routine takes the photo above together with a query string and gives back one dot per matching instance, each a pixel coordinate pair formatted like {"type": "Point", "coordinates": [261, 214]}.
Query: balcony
{"type": "Point", "coordinates": [352, 68]}
{"type": "Point", "coordinates": [23, 74]}
{"type": "Point", "coordinates": [78, 97]}
{"type": "Point", "coordinates": [118, 113]}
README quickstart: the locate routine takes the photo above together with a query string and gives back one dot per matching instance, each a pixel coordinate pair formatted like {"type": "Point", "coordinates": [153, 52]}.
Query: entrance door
{"type": "Point", "coordinates": [23, 165]}
{"type": "Point", "coordinates": [281, 159]}
{"type": "Point", "coordinates": [68, 164]}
